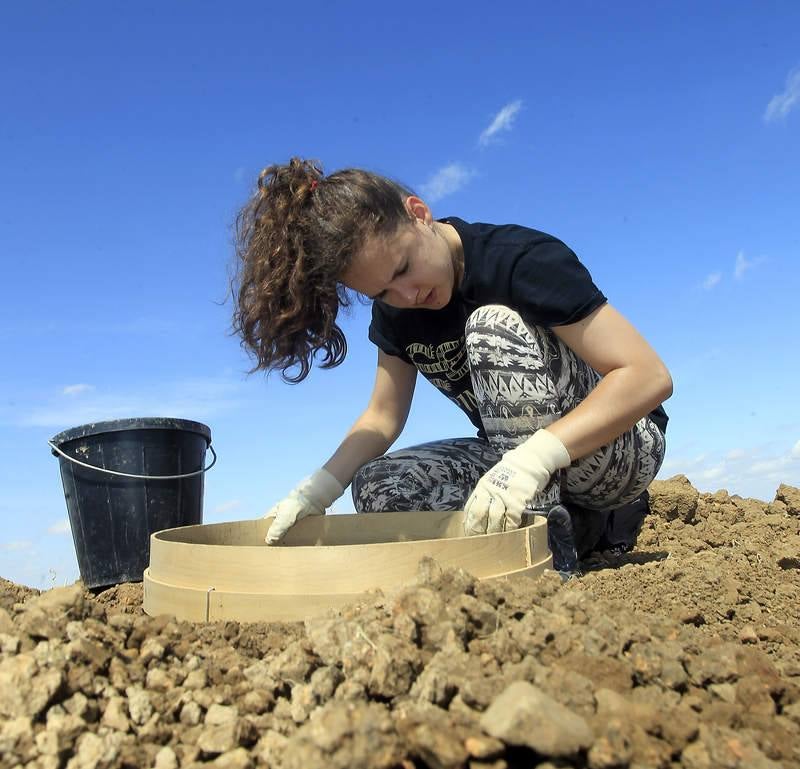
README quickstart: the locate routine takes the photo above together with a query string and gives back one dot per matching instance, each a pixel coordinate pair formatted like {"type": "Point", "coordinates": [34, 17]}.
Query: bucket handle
{"type": "Point", "coordinates": [131, 475]}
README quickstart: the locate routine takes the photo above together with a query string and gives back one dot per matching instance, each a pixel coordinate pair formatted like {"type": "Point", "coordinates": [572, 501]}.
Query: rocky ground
{"type": "Point", "coordinates": [684, 653]}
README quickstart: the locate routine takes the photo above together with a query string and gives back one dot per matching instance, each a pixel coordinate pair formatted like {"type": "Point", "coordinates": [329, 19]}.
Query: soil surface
{"type": "Point", "coordinates": [683, 653]}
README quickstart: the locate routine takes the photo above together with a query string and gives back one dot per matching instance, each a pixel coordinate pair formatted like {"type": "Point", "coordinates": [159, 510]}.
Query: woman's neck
{"type": "Point", "coordinates": [451, 236]}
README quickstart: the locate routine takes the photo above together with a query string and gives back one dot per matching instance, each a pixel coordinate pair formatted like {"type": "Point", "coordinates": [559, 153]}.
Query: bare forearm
{"type": "Point", "coordinates": [619, 401]}
{"type": "Point", "coordinates": [368, 438]}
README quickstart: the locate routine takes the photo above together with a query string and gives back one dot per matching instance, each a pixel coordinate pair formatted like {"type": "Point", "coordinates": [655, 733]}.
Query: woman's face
{"type": "Point", "coordinates": [414, 268]}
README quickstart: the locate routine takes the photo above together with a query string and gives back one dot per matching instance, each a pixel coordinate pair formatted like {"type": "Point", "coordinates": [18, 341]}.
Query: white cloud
{"type": "Point", "coordinates": [735, 454]}
{"type": "Point", "coordinates": [751, 471]}
{"type": "Point", "coordinates": [227, 507]}
{"type": "Point", "coordinates": [446, 181]}
{"type": "Point", "coordinates": [712, 473]}
{"type": "Point", "coordinates": [189, 399]}
{"type": "Point", "coordinates": [18, 545]}
{"type": "Point", "coordinates": [59, 527]}
{"type": "Point", "coordinates": [77, 389]}
{"type": "Point", "coordinates": [783, 103]}
{"type": "Point", "coordinates": [670, 465]}
{"type": "Point", "coordinates": [712, 280]}
{"type": "Point", "coordinates": [743, 264]}
{"type": "Point", "coordinates": [763, 468]}
{"type": "Point", "coordinates": [503, 121]}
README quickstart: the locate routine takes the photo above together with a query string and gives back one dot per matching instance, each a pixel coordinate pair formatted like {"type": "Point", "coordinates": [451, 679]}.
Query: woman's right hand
{"type": "Point", "coordinates": [311, 497]}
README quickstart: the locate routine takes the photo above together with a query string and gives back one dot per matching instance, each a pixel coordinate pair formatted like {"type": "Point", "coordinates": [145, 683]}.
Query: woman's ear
{"type": "Point", "coordinates": [418, 209]}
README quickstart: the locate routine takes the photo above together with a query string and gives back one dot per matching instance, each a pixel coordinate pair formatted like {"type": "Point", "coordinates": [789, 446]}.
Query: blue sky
{"type": "Point", "coordinates": [661, 141]}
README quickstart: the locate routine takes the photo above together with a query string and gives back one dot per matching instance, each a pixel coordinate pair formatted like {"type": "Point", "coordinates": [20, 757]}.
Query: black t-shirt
{"type": "Point", "coordinates": [524, 269]}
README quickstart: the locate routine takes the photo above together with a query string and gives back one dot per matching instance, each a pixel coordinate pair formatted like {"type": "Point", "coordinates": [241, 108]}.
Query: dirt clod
{"type": "Point", "coordinates": [682, 653]}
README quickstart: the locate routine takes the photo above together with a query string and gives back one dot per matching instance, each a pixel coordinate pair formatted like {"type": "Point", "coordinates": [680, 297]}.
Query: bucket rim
{"type": "Point", "coordinates": [132, 423]}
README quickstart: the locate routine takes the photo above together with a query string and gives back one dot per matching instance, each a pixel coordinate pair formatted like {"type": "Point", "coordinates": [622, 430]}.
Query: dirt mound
{"type": "Point", "coordinates": [682, 653]}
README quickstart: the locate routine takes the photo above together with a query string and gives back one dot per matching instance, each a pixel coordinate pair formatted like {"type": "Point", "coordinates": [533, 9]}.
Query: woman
{"type": "Point", "coordinates": [504, 320]}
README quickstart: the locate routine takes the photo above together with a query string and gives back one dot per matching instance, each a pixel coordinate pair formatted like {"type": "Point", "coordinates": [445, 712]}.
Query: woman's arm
{"type": "Point", "coordinates": [374, 431]}
{"type": "Point", "coordinates": [634, 381]}
{"type": "Point", "coordinates": [382, 421]}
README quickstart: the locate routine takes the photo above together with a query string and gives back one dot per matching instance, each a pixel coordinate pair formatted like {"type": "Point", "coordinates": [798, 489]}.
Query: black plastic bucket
{"type": "Point", "coordinates": [123, 481]}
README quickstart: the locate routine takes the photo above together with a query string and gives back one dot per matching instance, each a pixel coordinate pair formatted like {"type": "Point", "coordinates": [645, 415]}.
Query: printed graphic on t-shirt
{"type": "Point", "coordinates": [446, 367]}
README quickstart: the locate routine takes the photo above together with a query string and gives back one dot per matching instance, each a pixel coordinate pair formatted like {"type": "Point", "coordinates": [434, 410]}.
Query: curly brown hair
{"type": "Point", "coordinates": [294, 239]}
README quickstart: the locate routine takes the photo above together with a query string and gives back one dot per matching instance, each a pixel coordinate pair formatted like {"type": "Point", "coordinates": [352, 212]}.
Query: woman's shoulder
{"type": "Point", "coordinates": [509, 234]}
{"type": "Point", "coordinates": [495, 255]}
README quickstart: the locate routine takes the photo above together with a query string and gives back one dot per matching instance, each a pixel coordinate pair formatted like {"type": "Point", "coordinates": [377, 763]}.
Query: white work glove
{"type": "Point", "coordinates": [502, 494]}
{"type": "Point", "coordinates": [311, 497]}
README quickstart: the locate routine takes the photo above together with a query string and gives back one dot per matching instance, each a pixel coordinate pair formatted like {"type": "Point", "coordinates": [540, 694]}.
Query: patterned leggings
{"type": "Point", "coordinates": [524, 378]}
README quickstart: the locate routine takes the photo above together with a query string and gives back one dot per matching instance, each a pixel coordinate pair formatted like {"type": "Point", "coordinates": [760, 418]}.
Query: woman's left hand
{"type": "Point", "coordinates": [502, 494]}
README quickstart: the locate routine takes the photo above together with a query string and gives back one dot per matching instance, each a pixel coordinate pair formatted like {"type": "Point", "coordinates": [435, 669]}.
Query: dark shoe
{"type": "Point", "coordinates": [613, 531]}
{"type": "Point", "coordinates": [561, 540]}
{"type": "Point", "coordinates": [624, 525]}
{"type": "Point", "coordinates": [589, 527]}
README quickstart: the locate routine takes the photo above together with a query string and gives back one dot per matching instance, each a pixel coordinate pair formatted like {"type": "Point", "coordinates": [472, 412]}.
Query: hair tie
{"type": "Point", "coordinates": [314, 184]}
